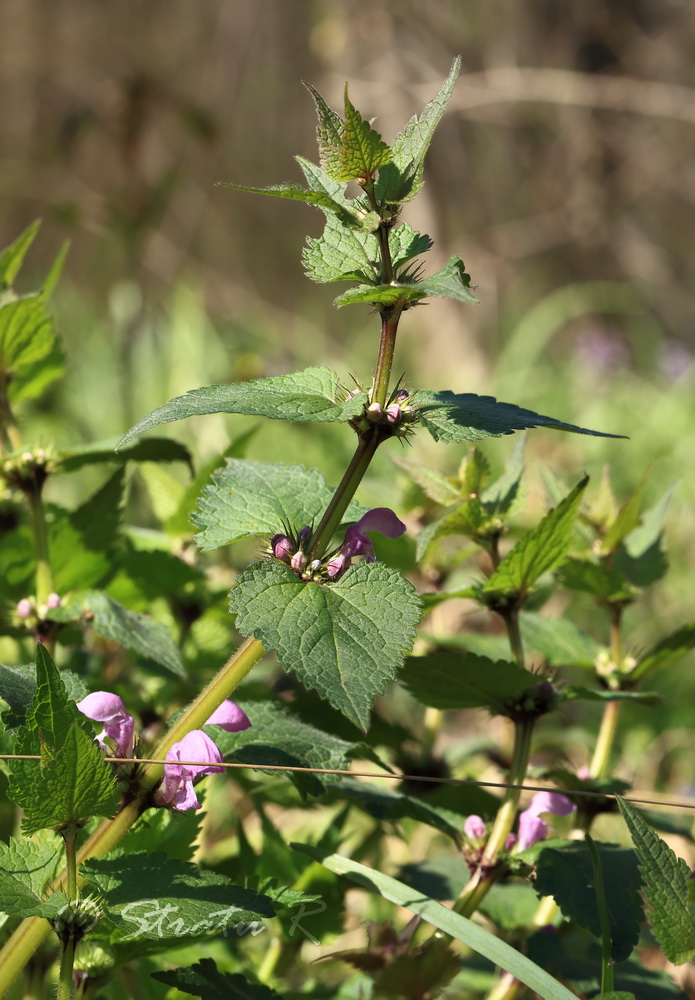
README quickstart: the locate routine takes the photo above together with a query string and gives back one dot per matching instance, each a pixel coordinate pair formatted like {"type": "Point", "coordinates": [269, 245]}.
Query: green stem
{"type": "Point", "coordinates": [606, 945]}
{"type": "Point", "coordinates": [482, 881]}
{"type": "Point", "coordinates": [70, 840]}
{"type": "Point", "coordinates": [44, 574]}
{"type": "Point", "coordinates": [387, 346]}
{"type": "Point", "coordinates": [9, 432]}
{"type": "Point", "coordinates": [344, 493]}
{"type": "Point", "coordinates": [511, 620]}
{"type": "Point", "coordinates": [31, 932]}
{"type": "Point", "coordinates": [67, 961]}
{"type": "Point", "coordinates": [600, 762]}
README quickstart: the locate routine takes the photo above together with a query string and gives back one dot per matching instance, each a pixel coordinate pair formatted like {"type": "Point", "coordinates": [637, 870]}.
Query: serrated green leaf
{"type": "Point", "coordinates": [361, 151]}
{"type": "Point", "coordinates": [401, 180]}
{"type": "Point", "coordinates": [381, 295]}
{"type": "Point", "coordinates": [73, 782]}
{"type": "Point", "coordinates": [341, 254]}
{"type": "Point", "coordinates": [27, 340]}
{"type": "Point", "coordinates": [304, 396]}
{"type": "Point", "coordinates": [329, 131]}
{"type": "Point", "coordinates": [539, 550]}
{"type": "Point", "coordinates": [469, 519]}
{"type": "Point", "coordinates": [596, 579]}
{"type": "Point", "coordinates": [26, 869]}
{"type": "Point", "coordinates": [18, 687]}
{"type": "Point", "coordinates": [641, 558]}
{"type": "Point", "coordinates": [626, 521]}
{"type": "Point", "coordinates": [12, 258]}
{"type": "Point", "coordinates": [451, 282]}
{"type": "Point", "coordinates": [152, 450]}
{"type": "Point", "coordinates": [457, 417]}
{"type": "Point", "coordinates": [294, 192]}
{"type": "Point", "coordinates": [666, 879]}
{"type": "Point", "coordinates": [506, 495]}
{"type": "Point", "coordinates": [278, 737]}
{"type": "Point", "coordinates": [150, 897]}
{"type": "Point", "coordinates": [566, 874]}
{"type": "Point", "coordinates": [558, 640]}
{"type": "Point", "coordinates": [345, 640]}
{"type": "Point", "coordinates": [451, 923]}
{"type": "Point", "coordinates": [256, 498]}
{"type": "Point", "coordinates": [464, 680]}
{"type": "Point", "coordinates": [180, 522]}
{"type": "Point", "coordinates": [204, 980]}
{"type": "Point", "coordinates": [667, 651]}
{"type": "Point", "coordinates": [405, 244]}
{"type": "Point", "coordinates": [140, 633]}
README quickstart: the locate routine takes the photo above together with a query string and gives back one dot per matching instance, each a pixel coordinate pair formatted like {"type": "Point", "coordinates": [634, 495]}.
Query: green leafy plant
{"type": "Point", "coordinates": [105, 859]}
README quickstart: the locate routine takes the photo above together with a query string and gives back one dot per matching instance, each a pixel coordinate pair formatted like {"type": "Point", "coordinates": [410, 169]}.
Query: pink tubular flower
{"type": "Point", "coordinates": [102, 706]}
{"type": "Point", "coordinates": [380, 519]}
{"type": "Point", "coordinates": [229, 717]}
{"type": "Point", "coordinates": [531, 827]}
{"type": "Point", "coordinates": [474, 827]}
{"type": "Point", "coordinates": [177, 784]}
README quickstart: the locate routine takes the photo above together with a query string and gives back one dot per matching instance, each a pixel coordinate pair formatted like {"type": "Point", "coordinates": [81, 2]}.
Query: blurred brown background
{"type": "Point", "coordinates": [562, 174]}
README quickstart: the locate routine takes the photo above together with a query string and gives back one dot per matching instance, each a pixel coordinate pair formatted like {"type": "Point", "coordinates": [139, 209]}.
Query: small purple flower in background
{"type": "Point", "coordinates": [177, 784]}
{"type": "Point", "coordinates": [531, 827]}
{"type": "Point", "coordinates": [53, 601]}
{"type": "Point", "coordinates": [356, 543]}
{"type": "Point", "coordinates": [474, 827]}
{"type": "Point", "coordinates": [229, 717]}
{"type": "Point", "coordinates": [102, 706]}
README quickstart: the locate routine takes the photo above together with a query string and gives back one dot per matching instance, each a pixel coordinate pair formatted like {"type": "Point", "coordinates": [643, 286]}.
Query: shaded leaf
{"type": "Point", "coordinates": [667, 651]}
{"type": "Point", "coordinates": [152, 450]}
{"type": "Point", "coordinates": [204, 980]}
{"type": "Point", "coordinates": [26, 869]}
{"type": "Point", "coordinates": [463, 680]}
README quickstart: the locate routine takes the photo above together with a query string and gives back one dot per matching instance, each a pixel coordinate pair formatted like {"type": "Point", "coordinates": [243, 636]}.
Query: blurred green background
{"type": "Point", "coordinates": [562, 173]}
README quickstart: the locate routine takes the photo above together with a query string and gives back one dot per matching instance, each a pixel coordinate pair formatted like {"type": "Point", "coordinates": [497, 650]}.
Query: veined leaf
{"type": "Point", "coordinates": [464, 680]}
{"type": "Point", "coordinates": [436, 486]}
{"type": "Point", "coordinates": [381, 295]}
{"type": "Point", "coordinates": [456, 417]}
{"type": "Point", "coordinates": [540, 549]}
{"type": "Point", "coordinates": [302, 396]}
{"type": "Point", "coordinates": [26, 869]}
{"type": "Point", "coordinates": [12, 258]}
{"type": "Point", "coordinates": [446, 920]}
{"type": "Point", "coordinates": [401, 180]}
{"type": "Point", "coordinates": [360, 151]}
{"type": "Point", "coordinates": [345, 640]}
{"type": "Point", "coordinates": [666, 879]}
{"type": "Point", "coordinates": [341, 254]}
{"type": "Point", "coordinates": [204, 980]}
{"type": "Point", "coordinates": [405, 244]}
{"type": "Point", "coordinates": [258, 498]}
{"type": "Point", "coordinates": [294, 192]}
{"type": "Point", "coordinates": [558, 640]}
{"type": "Point", "coordinates": [153, 450]}
{"type": "Point", "coordinates": [329, 131]}
{"type": "Point", "coordinates": [667, 651]}
{"type": "Point", "coordinates": [451, 282]}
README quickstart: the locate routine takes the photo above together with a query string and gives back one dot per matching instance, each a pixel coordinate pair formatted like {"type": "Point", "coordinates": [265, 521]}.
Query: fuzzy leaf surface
{"type": "Point", "coordinates": [540, 549]}
{"type": "Point", "coordinates": [457, 417]}
{"type": "Point", "coordinates": [401, 180]}
{"type": "Point", "coordinates": [361, 151]}
{"type": "Point", "coordinates": [294, 192]}
{"type": "Point", "coordinates": [464, 680]}
{"type": "Point", "coordinates": [345, 640]}
{"type": "Point", "coordinates": [566, 874]}
{"type": "Point", "coordinates": [204, 980]}
{"type": "Point", "coordinates": [666, 879]}
{"type": "Point", "coordinates": [257, 498]}
{"type": "Point", "coordinates": [26, 868]}
{"type": "Point", "coordinates": [278, 737]}
{"type": "Point", "coordinates": [304, 396]}
{"type": "Point", "coordinates": [341, 254]}
{"type": "Point", "coordinates": [152, 897]}
{"type": "Point", "coordinates": [451, 282]}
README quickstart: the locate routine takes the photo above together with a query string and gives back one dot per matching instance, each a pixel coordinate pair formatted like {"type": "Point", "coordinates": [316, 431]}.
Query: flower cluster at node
{"type": "Point", "coordinates": [290, 550]}
{"type": "Point", "coordinates": [531, 828]}
{"type": "Point", "coordinates": [196, 747]}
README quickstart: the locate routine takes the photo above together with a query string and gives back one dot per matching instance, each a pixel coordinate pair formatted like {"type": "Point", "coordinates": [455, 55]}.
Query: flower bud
{"type": "Point", "coordinates": [298, 560]}
{"type": "Point", "coordinates": [53, 601]}
{"type": "Point", "coordinates": [303, 534]}
{"type": "Point", "coordinates": [281, 546]}
{"type": "Point", "coordinates": [24, 608]}
{"type": "Point", "coordinates": [393, 413]}
{"type": "Point", "coordinates": [474, 827]}
{"type": "Point", "coordinates": [375, 412]}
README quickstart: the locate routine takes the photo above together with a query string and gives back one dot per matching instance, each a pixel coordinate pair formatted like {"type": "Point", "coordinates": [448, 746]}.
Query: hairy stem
{"type": "Point", "coordinates": [9, 432]}
{"type": "Point", "coordinates": [31, 932]}
{"type": "Point", "coordinates": [44, 574]}
{"type": "Point", "coordinates": [483, 879]}
{"type": "Point", "coordinates": [387, 346]}
{"type": "Point", "coordinates": [67, 961]}
{"type": "Point", "coordinates": [344, 493]}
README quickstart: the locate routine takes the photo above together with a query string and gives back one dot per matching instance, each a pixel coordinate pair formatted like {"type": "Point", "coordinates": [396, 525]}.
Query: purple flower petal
{"type": "Point", "coordinates": [177, 784]}
{"type": "Point", "coordinates": [531, 830]}
{"type": "Point", "coordinates": [102, 706]}
{"type": "Point", "coordinates": [230, 717]}
{"type": "Point", "coordinates": [381, 519]}
{"type": "Point", "coordinates": [550, 802]}
{"type": "Point", "coordinates": [474, 827]}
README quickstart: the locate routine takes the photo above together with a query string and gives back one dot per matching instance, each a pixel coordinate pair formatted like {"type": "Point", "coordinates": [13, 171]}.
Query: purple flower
{"type": "Point", "coordinates": [531, 827]}
{"type": "Point", "coordinates": [24, 608]}
{"type": "Point", "coordinates": [102, 706]}
{"type": "Point", "coordinates": [229, 717]}
{"type": "Point", "coordinates": [474, 827]}
{"type": "Point", "coordinates": [53, 601]}
{"type": "Point", "coordinates": [282, 547]}
{"type": "Point", "coordinates": [380, 519]}
{"type": "Point", "coordinates": [177, 784]}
